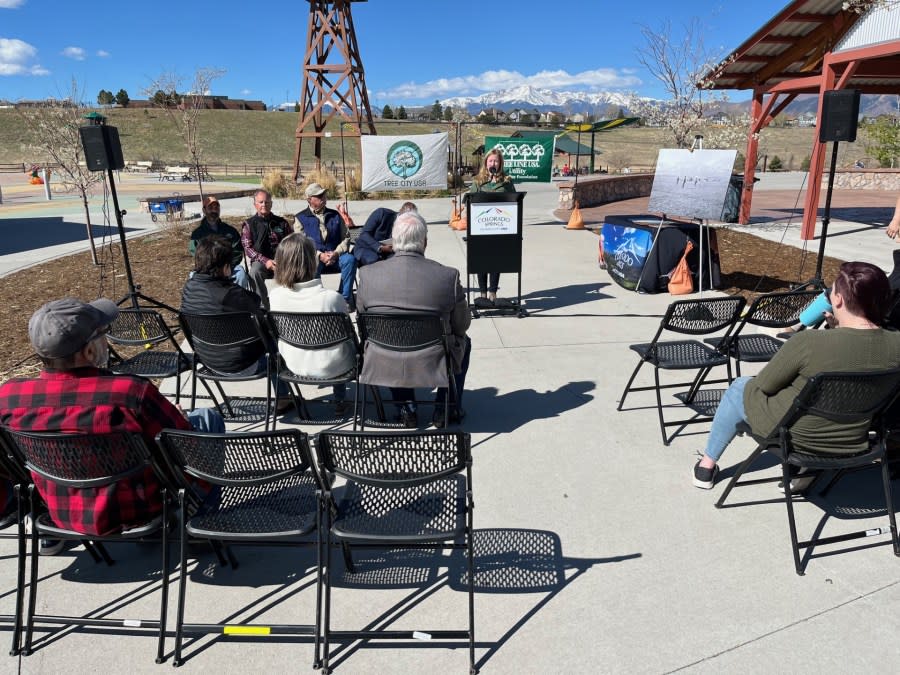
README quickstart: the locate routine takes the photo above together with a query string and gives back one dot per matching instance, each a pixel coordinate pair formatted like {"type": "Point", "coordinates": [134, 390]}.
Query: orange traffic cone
{"type": "Point", "coordinates": [458, 219]}
{"type": "Point", "coordinates": [575, 220]}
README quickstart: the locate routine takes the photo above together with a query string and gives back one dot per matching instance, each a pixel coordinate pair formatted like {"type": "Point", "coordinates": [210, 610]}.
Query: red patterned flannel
{"type": "Point", "coordinates": [89, 400]}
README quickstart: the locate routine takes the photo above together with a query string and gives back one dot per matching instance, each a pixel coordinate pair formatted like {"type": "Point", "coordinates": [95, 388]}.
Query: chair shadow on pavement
{"type": "Point", "coordinates": [511, 561]}
{"type": "Point", "coordinates": [506, 412]}
{"type": "Point", "coordinates": [27, 234]}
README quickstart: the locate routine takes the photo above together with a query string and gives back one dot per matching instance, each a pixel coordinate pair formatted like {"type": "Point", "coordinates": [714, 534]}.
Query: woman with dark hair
{"type": "Point", "coordinates": [857, 342]}
{"type": "Point", "coordinates": [296, 289]}
{"type": "Point", "coordinates": [491, 178]}
{"type": "Point", "coordinates": [212, 291]}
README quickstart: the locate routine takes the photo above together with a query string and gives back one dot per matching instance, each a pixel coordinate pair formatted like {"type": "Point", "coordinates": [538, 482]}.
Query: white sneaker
{"type": "Point", "coordinates": [800, 482]}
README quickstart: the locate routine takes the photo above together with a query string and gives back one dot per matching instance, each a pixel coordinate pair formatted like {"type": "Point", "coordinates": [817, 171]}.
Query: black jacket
{"type": "Point", "coordinates": [205, 294]}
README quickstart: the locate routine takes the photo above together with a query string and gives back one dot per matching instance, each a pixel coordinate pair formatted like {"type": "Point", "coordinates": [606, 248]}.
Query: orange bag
{"type": "Point", "coordinates": [680, 281]}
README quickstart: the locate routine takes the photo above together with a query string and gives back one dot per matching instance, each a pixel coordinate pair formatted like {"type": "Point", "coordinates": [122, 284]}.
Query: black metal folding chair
{"type": "Point", "coordinates": [772, 310]}
{"type": "Point", "coordinates": [406, 490]}
{"type": "Point", "coordinates": [91, 462]}
{"type": "Point", "coordinates": [317, 332]}
{"type": "Point", "coordinates": [689, 317]}
{"type": "Point", "coordinates": [855, 399]}
{"type": "Point", "coordinates": [417, 336]}
{"type": "Point", "coordinates": [208, 335]}
{"type": "Point", "coordinates": [19, 479]}
{"type": "Point", "coordinates": [145, 328]}
{"type": "Point", "coordinates": [263, 490]}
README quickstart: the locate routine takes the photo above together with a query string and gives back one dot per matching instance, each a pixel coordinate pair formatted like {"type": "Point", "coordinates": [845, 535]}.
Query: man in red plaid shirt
{"type": "Point", "coordinates": [76, 394]}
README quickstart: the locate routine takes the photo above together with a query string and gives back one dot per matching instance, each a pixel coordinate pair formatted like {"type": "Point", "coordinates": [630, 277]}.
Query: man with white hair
{"type": "Point", "coordinates": [409, 282]}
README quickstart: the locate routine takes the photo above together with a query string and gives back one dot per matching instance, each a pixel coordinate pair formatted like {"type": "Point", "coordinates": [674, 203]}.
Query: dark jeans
{"type": "Point", "coordinates": [405, 394]}
{"type": "Point", "coordinates": [483, 286]}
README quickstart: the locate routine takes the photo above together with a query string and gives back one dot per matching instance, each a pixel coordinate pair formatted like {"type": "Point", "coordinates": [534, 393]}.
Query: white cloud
{"type": "Point", "coordinates": [76, 53]}
{"type": "Point", "coordinates": [102, 53]}
{"type": "Point", "coordinates": [11, 4]}
{"type": "Point", "coordinates": [246, 92]}
{"type": "Point", "coordinates": [494, 80]}
{"type": "Point", "coordinates": [15, 56]}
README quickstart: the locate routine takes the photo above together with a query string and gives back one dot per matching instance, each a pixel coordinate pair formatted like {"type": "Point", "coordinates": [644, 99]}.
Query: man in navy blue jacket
{"type": "Point", "coordinates": [369, 247]}
{"type": "Point", "coordinates": [328, 232]}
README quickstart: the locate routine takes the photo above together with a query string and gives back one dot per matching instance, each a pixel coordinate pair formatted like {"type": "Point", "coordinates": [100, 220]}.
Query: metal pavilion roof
{"type": "Point", "coordinates": [810, 47]}
{"type": "Point", "coordinates": [788, 52]}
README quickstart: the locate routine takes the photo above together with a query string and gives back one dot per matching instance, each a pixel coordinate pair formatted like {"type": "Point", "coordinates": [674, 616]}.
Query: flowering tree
{"type": "Point", "coordinates": [54, 128]}
{"type": "Point", "coordinates": [679, 63]}
{"type": "Point", "coordinates": [183, 110]}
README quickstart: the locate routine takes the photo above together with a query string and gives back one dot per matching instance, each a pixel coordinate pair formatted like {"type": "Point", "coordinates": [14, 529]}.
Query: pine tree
{"type": "Point", "coordinates": [387, 113]}
{"type": "Point", "coordinates": [122, 98]}
{"type": "Point", "coordinates": [401, 113]}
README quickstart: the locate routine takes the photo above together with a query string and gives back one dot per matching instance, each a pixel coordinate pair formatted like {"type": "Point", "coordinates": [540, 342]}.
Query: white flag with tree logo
{"type": "Point", "coordinates": [404, 162]}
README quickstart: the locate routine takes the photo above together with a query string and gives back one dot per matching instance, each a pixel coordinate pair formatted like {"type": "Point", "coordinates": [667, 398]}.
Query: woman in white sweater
{"type": "Point", "coordinates": [294, 289]}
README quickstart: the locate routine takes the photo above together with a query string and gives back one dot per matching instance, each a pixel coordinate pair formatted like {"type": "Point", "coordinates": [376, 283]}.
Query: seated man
{"type": "Point", "coordinates": [409, 282]}
{"type": "Point", "coordinates": [76, 394]}
{"type": "Point", "coordinates": [859, 299]}
{"type": "Point", "coordinates": [329, 233]}
{"type": "Point", "coordinates": [369, 248]}
{"type": "Point", "coordinates": [260, 236]}
{"type": "Point", "coordinates": [211, 224]}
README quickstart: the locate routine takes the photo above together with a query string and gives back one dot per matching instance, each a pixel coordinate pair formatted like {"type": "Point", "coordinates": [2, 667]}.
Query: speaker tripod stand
{"type": "Point", "coordinates": [817, 282]}
{"type": "Point", "coordinates": [134, 295]}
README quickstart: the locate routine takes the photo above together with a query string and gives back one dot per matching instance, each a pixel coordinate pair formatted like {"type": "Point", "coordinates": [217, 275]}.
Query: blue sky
{"type": "Point", "coordinates": [413, 51]}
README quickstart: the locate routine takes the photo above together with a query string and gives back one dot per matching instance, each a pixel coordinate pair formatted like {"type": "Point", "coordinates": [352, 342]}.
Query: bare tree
{"type": "Point", "coordinates": [184, 109]}
{"type": "Point", "coordinates": [54, 126]}
{"type": "Point", "coordinates": [679, 63]}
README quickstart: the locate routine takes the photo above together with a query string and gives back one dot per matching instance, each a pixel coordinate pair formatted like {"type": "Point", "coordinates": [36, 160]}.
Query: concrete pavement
{"type": "Point", "coordinates": [594, 552]}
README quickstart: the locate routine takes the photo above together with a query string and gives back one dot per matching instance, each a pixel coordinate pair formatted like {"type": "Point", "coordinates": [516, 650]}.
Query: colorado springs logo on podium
{"type": "Point", "coordinates": [493, 219]}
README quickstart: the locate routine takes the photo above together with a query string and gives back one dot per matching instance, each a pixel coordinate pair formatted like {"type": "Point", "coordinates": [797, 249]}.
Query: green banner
{"type": "Point", "coordinates": [525, 160]}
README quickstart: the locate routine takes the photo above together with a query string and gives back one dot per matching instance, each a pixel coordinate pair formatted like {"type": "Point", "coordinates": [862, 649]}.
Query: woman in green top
{"type": "Point", "coordinates": [859, 298]}
{"type": "Point", "coordinates": [491, 178]}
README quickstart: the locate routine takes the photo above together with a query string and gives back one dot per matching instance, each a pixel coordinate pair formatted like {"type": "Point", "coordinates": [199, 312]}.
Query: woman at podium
{"type": "Point", "coordinates": [491, 178]}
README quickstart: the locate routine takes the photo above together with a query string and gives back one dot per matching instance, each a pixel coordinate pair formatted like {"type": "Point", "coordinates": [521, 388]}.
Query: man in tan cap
{"type": "Point", "coordinates": [328, 231]}
{"type": "Point", "coordinates": [211, 224]}
{"type": "Point", "coordinates": [75, 393]}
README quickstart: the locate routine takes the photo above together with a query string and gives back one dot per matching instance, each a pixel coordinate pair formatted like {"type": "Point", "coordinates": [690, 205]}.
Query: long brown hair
{"type": "Point", "coordinates": [485, 176]}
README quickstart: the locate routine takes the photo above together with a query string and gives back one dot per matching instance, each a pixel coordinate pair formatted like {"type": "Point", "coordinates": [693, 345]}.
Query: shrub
{"type": "Point", "coordinates": [324, 178]}
{"type": "Point", "coordinates": [775, 163]}
{"type": "Point", "coordinates": [804, 165]}
{"type": "Point", "coordinates": [276, 183]}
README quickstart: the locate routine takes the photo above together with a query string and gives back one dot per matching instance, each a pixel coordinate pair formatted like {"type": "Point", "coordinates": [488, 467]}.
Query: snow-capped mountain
{"type": "Point", "coordinates": [541, 99]}
{"type": "Point", "coordinates": [601, 102]}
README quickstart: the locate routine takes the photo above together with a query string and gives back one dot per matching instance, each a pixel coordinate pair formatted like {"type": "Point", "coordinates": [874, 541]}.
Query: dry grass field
{"type": "Point", "coordinates": [267, 138]}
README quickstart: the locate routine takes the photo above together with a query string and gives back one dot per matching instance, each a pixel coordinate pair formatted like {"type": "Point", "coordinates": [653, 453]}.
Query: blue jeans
{"type": "Point", "coordinates": [206, 419]}
{"type": "Point", "coordinates": [346, 265]}
{"type": "Point", "coordinates": [239, 276]}
{"type": "Point", "coordinates": [728, 415]}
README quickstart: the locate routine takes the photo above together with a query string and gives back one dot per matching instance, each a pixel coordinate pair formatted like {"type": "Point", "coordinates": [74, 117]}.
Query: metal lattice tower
{"type": "Point", "coordinates": [332, 74]}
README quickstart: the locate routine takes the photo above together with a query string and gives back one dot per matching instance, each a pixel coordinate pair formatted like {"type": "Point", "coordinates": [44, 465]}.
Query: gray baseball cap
{"type": "Point", "coordinates": [62, 327]}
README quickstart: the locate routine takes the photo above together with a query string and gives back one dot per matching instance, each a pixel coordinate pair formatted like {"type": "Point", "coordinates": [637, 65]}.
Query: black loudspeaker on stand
{"type": "Point", "coordinates": [102, 149]}
{"type": "Point", "coordinates": [103, 152]}
{"type": "Point", "coordinates": [840, 113]}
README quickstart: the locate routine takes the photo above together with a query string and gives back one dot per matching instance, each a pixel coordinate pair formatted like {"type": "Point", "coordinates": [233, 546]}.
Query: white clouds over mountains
{"type": "Point", "coordinates": [16, 57]}
{"type": "Point", "coordinates": [493, 80]}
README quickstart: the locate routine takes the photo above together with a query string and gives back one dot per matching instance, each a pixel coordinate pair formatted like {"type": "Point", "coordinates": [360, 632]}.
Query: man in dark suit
{"type": "Point", "coordinates": [409, 282]}
{"type": "Point", "coordinates": [369, 248]}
